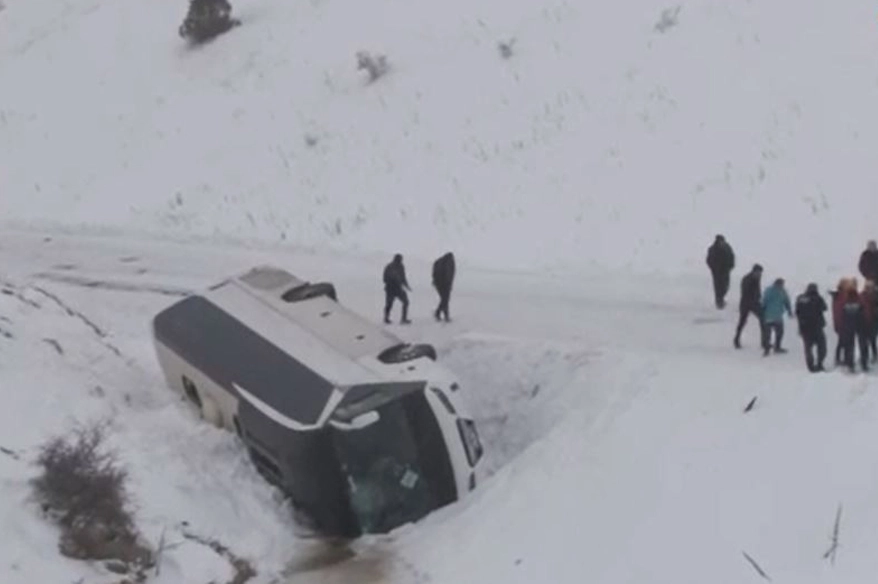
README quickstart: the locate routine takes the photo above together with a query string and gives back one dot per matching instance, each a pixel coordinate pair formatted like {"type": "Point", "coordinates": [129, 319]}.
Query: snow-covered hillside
{"type": "Point", "coordinates": [630, 131]}
{"type": "Point", "coordinates": [618, 136]}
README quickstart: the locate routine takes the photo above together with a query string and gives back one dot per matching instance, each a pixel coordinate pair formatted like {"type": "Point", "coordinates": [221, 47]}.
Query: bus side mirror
{"type": "Point", "coordinates": [359, 422]}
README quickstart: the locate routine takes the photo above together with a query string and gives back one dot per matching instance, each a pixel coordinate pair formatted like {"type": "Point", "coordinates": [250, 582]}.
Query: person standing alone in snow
{"type": "Point", "coordinates": [869, 262]}
{"type": "Point", "coordinates": [775, 301]}
{"type": "Point", "coordinates": [395, 286]}
{"type": "Point", "coordinates": [443, 279]}
{"type": "Point", "coordinates": [854, 328]}
{"type": "Point", "coordinates": [721, 261]}
{"type": "Point", "coordinates": [810, 307]}
{"type": "Point", "coordinates": [751, 301]}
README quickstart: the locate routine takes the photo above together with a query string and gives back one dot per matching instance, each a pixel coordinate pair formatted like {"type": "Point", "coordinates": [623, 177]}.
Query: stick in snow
{"type": "Point", "coordinates": [750, 405]}
{"type": "Point", "coordinates": [756, 566]}
{"type": "Point", "coordinates": [830, 553]}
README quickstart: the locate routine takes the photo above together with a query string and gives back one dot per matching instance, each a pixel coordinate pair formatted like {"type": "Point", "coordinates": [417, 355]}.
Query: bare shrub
{"type": "Point", "coordinates": [82, 488]}
{"type": "Point", "coordinates": [669, 18]}
{"type": "Point", "coordinates": [375, 65]}
{"type": "Point", "coordinates": [506, 48]}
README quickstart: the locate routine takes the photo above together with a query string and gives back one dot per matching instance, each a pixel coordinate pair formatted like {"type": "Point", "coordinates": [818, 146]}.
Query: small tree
{"type": "Point", "coordinates": [505, 48]}
{"type": "Point", "coordinates": [670, 17]}
{"type": "Point", "coordinates": [375, 65]}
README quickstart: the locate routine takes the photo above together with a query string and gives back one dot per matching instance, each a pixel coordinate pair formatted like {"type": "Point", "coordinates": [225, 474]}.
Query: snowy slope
{"type": "Point", "coordinates": [630, 141]}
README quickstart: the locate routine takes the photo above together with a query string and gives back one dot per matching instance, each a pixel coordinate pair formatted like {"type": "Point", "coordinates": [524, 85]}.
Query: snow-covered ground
{"type": "Point", "coordinates": [578, 181]}
{"type": "Point", "coordinates": [614, 421]}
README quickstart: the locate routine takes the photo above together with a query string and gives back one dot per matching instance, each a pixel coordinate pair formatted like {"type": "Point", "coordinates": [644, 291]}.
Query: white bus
{"type": "Point", "coordinates": [362, 431]}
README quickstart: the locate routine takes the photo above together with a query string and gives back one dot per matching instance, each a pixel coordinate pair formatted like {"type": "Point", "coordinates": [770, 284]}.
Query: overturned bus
{"type": "Point", "coordinates": [361, 431]}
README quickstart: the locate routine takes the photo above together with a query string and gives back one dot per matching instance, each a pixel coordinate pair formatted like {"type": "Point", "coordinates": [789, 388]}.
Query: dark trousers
{"type": "Point", "coordinates": [720, 286]}
{"type": "Point", "coordinates": [444, 300]}
{"type": "Point", "coordinates": [742, 320]}
{"type": "Point", "coordinates": [767, 329]}
{"type": "Point", "coordinates": [848, 349]}
{"type": "Point", "coordinates": [814, 341]}
{"type": "Point", "coordinates": [873, 342]}
{"type": "Point", "coordinates": [391, 295]}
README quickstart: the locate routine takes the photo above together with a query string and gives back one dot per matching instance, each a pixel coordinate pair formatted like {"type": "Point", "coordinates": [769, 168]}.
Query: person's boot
{"type": "Point", "coordinates": [737, 343]}
{"type": "Point", "coordinates": [405, 315]}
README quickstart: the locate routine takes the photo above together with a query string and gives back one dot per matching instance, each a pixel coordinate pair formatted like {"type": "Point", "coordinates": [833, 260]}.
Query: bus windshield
{"type": "Point", "coordinates": [385, 480]}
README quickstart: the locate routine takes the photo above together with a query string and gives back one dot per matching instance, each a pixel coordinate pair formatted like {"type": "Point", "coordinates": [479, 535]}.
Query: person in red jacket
{"type": "Point", "coordinates": [869, 300]}
{"type": "Point", "coordinates": [838, 299]}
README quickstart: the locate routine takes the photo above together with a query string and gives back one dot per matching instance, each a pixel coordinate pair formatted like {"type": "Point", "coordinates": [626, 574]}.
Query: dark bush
{"type": "Point", "coordinates": [82, 488]}
{"type": "Point", "coordinates": [375, 66]}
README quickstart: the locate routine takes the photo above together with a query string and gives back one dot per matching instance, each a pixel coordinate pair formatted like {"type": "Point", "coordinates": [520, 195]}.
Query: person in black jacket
{"type": "Point", "coordinates": [721, 261]}
{"type": "Point", "coordinates": [395, 286]}
{"type": "Point", "coordinates": [810, 307]}
{"type": "Point", "coordinates": [751, 301]}
{"type": "Point", "coordinates": [854, 327]}
{"type": "Point", "coordinates": [869, 261]}
{"type": "Point", "coordinates": [443, 280]}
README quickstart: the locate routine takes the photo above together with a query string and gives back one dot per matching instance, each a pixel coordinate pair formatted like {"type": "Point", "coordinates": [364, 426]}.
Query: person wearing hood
{"type": "Point", "coordinates": [775, 301]}
{"type": "Point", "coordinates": [751, 301]}
{"type": "Point", "coordinates": [721, 261]}
{"type": "Point", "coordinates": [869, 261]}
{"type": "Point", "coordinates": [810, 308]}
{"type": "Point", "coordinates": [395, 286]}
{"type": "Point", "coordinates": [443, 280]}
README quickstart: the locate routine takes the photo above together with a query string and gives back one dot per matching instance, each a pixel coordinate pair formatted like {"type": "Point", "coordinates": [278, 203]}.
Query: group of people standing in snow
{"type": "Point", "coordinates": [854, 311]}
{"type": "Point", "coordinates": [396, 286]}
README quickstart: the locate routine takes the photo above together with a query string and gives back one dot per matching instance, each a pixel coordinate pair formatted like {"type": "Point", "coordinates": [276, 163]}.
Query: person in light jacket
{"type": "Point", "coordinates": [775, 302]}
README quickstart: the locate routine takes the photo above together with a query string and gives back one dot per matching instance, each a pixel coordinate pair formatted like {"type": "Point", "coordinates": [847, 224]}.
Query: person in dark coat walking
{"type": "Point", "coordinates": [751, 301]}
{"type": "Point", "coordinates": [854, 328]}
{"type": "Point", "coordinates": [810, 309]}
{"type": "Point", "coordinates": [721, 261]}
{"type": "Point", "coordinates": [395, 286]}
{"type": "Point", "coordinates": [443, 280]}
{"type": "Point", "coordinates": [869, 261]}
